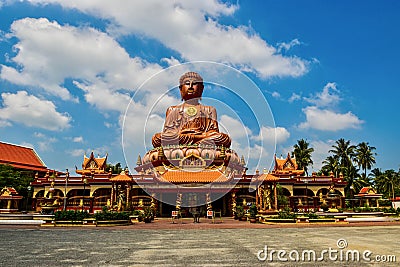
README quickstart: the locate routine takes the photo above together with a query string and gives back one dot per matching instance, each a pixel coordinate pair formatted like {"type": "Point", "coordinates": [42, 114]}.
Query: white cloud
{"type": "Point", "coordinates": [4, 123]}
{"type": "Point", "coordinates": [235, 128]}
{"type": "Point", "coordinates": [49, 53]}
{"type": "Point", "coordinates": [276, 94]}
{"type": "Point", "coordinates": [46, 145]}
{"type": "Point", "coordinates": [287, 46]}
{"type": "Point", "coordinates": [78, 139]}
{"type": "Point", "coordinates": [294, 97]}
{"type": "Point", "coordinates": [272, 135]}
{"type": "Point", "coordinates": [39, 135]}
{"type": "Point", "coordinates": [194, 32]}
{"type": "Point", "coordinates": [327, 120]}
{"type": "Point", "coordinates": [76, 152]}
{"type": "Point", "coordinates": [33, 112]}
{"type": "Point", "coordinates": [328, 97]}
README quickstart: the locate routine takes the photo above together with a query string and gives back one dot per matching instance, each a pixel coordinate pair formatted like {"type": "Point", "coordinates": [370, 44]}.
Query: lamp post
{"type": "Point", "coordinates": [29, 188]}
{"type": "Point", "coordinates": [84, 191]}
{"type": "Point", "coordinates": [65, 189]}
{"type": "Point", "coordinates": [352, 196]}
{"type": "Point", "coordinates": [306, 183]}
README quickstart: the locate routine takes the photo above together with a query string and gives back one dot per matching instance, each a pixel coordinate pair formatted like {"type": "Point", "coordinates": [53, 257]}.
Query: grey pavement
{"type": "Point", "coordinates": [40, 246]}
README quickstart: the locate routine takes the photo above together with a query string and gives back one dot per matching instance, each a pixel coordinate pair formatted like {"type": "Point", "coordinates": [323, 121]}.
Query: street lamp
{"type": "Point", "coordinates": [65, 189]}
{"type": "Point", "coordinates": [352, 196]}
{"type": "Point", "coordinates": [84, 191]}
{"type": "Point", "coordinates": [29, 188]}
{"type": "Point", "coordinates": [306, 183]}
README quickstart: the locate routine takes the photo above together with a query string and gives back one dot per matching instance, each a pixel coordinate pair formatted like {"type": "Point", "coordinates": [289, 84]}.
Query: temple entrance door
{"type": "Point", "coordinates": [192, 200]}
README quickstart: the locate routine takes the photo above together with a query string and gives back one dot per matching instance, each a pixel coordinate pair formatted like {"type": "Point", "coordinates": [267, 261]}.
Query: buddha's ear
{"type": "Point", "coordinates": [180, 90]}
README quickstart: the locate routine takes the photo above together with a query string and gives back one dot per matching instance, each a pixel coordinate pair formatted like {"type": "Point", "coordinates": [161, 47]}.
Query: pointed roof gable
{"type": "Point", "coordinates": [20, 157]}
{"type": "Point", "coordinates": [285, 164]}
{"type": "Point", "coordinates": [92, 164]}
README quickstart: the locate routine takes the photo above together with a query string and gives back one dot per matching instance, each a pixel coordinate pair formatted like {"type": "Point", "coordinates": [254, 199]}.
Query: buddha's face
{"type": "Point", "coordinates": [191, 88]}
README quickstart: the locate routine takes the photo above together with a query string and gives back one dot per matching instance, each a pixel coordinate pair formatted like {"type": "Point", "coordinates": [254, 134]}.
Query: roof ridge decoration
{"type": "Point", "coordinates": [92, 164]}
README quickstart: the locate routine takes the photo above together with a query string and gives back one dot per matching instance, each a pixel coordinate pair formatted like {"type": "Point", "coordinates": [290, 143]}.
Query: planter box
{"type": "Point", "coordinates": [89, 221]}
{"type": "Point", "coordinates": [340, 218]}
{"type": "Point", "coordinates": [302, 219]}
{"type": "Point", "coordinates": [281, 220]}
{"type": "Point", "coordinates": [68, 223]}
{"type": "Point", "coordinates": [134, 218]}
{"type": "Point", "coordinates": [325, 220]}
{"type": "Point", "coordinates": [112, 223]}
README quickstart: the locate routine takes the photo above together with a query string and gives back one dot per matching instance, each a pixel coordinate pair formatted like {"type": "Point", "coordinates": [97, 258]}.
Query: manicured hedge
{"type": "Point", "coordinates": [109, 216]}
{"type": "Point", "coordinates": [70, 215]}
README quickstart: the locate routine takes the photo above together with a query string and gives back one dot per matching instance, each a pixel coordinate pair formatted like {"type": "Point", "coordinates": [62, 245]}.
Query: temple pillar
{"type": "Point", "coordinates": [275, 197]}
{"type": "Point", "coordinates": [257, 197]}
{"type": "Point", "coordinates": [233, 197]}
{"type": "Point", "coordinates": [128, 196]}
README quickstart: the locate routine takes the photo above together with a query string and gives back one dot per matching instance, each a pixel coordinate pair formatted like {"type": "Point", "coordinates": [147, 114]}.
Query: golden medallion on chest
{"type": "Point", "coordinates": [191, 111]}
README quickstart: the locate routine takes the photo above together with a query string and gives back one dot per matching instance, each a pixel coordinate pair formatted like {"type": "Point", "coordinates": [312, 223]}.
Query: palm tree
{"type": "Point", "coordinates": [302, 154]}
{"type": "Point", "coordinates": [375, 175]}
{"type": "Point", "coordinates": [355, 180]}
{"type": "Point", "coordinates": [387, 183]}
{"type": "Point", "coordinates": [331, 164]}
{"type": "Point", "coordinates": [344, 152]}
{"type": "Point", "coordinates": [365, 157]}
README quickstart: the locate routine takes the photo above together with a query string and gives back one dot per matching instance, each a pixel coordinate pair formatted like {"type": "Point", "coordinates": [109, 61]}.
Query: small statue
{"type": "Point", "coordinates": [191, 122]}
{"type": "Point", "coordinates": [208, 202]}
{"type": "Point", "coordinates": [178, 202]}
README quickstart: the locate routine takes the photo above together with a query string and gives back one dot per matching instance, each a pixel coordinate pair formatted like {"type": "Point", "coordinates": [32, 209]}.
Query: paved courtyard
{"type": "Point", "coordinates": [224, 244]}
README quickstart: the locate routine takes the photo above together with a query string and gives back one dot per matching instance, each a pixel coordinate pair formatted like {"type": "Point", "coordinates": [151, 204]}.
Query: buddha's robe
{"type": "Point", "coordinates": [187, 125]}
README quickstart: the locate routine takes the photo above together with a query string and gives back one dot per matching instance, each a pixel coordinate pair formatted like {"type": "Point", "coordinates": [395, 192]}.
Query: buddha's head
{"type": "Point", "coordinates": [191, 86]}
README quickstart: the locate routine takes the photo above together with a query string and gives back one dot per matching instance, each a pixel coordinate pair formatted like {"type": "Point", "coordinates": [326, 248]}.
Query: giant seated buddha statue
{"type": "Point", "coordinates": [191, 123]}
{"type": "Point", "coordinates": [190, 138]}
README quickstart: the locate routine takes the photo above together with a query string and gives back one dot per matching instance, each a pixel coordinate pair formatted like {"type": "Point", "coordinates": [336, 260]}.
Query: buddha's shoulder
{"type": "Point", "coordinates": [175, 107]}
{"type": "Point", "coordinates": [209, 108]}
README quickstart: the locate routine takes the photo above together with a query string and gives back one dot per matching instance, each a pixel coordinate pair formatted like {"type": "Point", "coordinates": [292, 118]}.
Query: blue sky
{"type": "Point", "coordinates": [72, 72]}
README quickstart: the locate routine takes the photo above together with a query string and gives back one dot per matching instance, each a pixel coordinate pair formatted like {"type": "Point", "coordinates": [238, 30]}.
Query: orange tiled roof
{"type": "Point", "coordinates": [268, 177]}
{"type": "Point", "coordinates": [122, 177]}
{"type": "Point", "coordinates": [20, 157]}
{"type": "Point", "coordinates": [205, 176]}
{"type": "Point", "coordinates": [364, 190]}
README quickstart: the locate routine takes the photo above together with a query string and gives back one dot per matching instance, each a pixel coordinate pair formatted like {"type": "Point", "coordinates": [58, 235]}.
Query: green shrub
{"type": "Point", "coordinates": [239, 211]}
{"type": "Point", "coordinates": [253, 211]}
{"type": "Point", "coordinates": [286, 214]}
{"type": "Point", "coordinates": [70, 215]}
{"type": "Point", "coordinates": [312, 215]}
{"type": "Point", "coordinates": [110, 216]}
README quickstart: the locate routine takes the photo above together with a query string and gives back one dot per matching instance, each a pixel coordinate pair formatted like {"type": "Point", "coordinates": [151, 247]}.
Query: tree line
{"type": "Point", "coordinates": [353, 162]}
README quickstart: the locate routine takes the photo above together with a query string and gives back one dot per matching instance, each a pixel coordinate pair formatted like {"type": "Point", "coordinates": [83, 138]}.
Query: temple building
{"type": "Point", "coordinates": [190, 167]}
{"type": "Point", "coordinates": [93, 187]}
